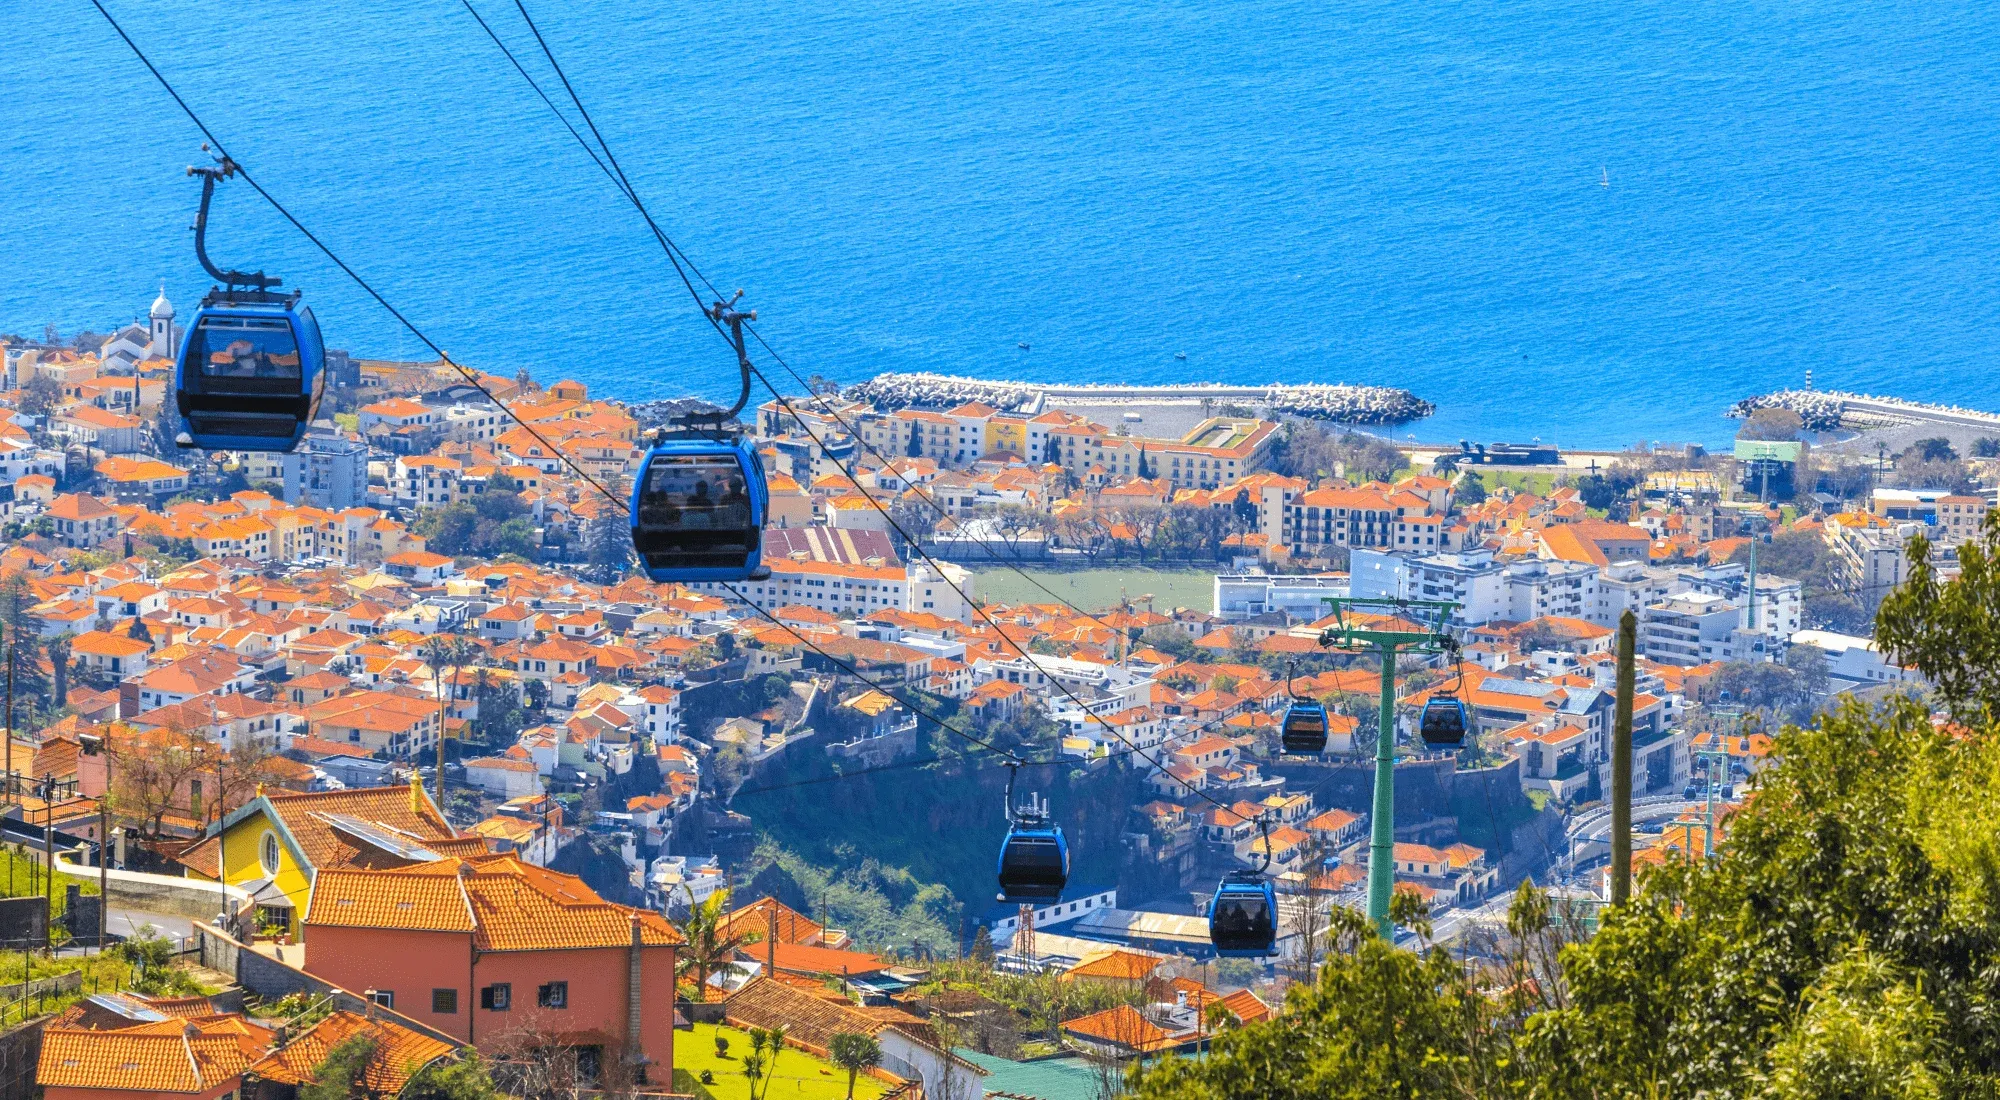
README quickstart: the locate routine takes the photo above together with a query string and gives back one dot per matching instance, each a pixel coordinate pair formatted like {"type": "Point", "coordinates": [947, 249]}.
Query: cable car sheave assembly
{"type": "Point", "coordinates": [251, 369]}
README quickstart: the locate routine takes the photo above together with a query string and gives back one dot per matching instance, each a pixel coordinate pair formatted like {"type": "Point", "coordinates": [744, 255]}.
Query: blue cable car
{"type": "Point", "coordinates": [699, 502]}
{"type": "Point", "coordinates": [252, 364]}
{"type": "Point", "coordinates": [1243, 915]}
{"type": "Point", "coordinates": [698, 509]}
{"type": "Point", "coordinates": [1034, 859]}
{"type": "Point", "coordinates": [1443, 721]}
{"type": "Point", "coordinates": [1305, 725]}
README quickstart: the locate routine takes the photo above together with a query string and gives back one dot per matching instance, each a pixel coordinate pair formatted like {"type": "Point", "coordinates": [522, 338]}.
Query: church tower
{"type": "Point", "coordinates": [162, 346]}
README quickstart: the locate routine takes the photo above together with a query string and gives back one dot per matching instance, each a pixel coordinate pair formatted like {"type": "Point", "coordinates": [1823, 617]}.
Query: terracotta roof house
{"type": "Point", "coordinates": [279, 843]}
{"type": "Point", "coordinates": [500, 953]}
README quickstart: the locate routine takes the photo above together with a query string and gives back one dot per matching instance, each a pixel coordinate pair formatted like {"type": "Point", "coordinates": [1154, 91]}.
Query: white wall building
{"type": "Point", "coordinates": [1246, 595]}
{"type": "Point", "coordinates": [1853, 662]}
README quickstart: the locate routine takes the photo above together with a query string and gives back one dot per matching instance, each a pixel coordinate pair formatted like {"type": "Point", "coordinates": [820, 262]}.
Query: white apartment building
{"type": "Point", "coordinates": [1247, 595]}
{"type": "Point", "coordinates": [1471, 579]}
{"type": "Point", "coordinates": [1484, 589]}
{"type": "Point", "coordinates": [1538, 588]}
{"type": "Point", "coordinates": [1694, 628]}
{"type": "Point", "coordinates": [851, 591]}
{"type": "Point", "coordinates": [1780, 602]}
{"type": "Point", "coordinates": [1853, 662]}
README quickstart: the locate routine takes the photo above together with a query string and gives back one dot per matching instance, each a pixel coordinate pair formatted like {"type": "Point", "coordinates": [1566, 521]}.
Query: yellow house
{"type": "Point", "coordinates": [275, 845]}
{"type": "Point", "coordinates": [1007, 433]}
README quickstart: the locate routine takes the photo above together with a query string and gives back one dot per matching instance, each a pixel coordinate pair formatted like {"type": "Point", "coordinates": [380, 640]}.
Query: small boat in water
{"type": "Point", "coordinates": [1022, 345]}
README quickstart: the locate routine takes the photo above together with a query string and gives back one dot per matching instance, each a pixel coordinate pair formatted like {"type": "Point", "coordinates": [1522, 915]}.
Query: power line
{"type": "Point", "coordinates": [679, 257]}
{"type": "Point", "coordinates": [658, 233]}
{"type": "Point", "coordinates": [856, 673]}
{"type": "Point", "coordinates": [414, 330]}
{"type": "Point", "coordinates": [216, 142]}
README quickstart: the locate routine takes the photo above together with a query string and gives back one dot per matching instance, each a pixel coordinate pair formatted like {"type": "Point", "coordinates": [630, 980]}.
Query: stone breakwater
{"type": "Point", "coordinates": [1825, 411]}
{"type": "Point", "coordinates": [654, 414]}
{"type": "Point", "coordinates": [1343, 403]}
{"type": "Point", "coordinates": [1820, 411]}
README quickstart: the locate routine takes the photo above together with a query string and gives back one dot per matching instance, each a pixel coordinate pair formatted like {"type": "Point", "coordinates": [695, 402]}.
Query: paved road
{"type": "Point", "coordinates": [1596, 825]}
{"type": "Point", "coordinates": [128, 922]}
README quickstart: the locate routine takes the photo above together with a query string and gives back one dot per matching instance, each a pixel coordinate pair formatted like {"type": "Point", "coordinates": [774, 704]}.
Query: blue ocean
{"type": "Point", "coordinates": [1596, 224]}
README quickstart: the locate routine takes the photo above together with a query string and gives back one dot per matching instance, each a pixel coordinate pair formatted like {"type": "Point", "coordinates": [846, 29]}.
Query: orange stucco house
{"type": "Point", "coordinates": [503, 955]}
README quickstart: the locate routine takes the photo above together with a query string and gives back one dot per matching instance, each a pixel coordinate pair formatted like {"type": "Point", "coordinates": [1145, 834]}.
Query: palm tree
{"type": "Point", "coordinates": [853, 1053]}
{"type": "Point", "coordinates": [709, 951]}
{"type": "Point", "coordinates": [447, 650]}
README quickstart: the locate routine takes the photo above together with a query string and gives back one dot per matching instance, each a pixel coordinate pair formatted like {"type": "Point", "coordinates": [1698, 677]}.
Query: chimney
{"type": "Point", "coordinates": [635, 1051]}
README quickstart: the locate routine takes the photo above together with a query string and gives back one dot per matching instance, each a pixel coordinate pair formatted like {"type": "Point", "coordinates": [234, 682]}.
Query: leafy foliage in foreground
{"type": "Point", "coordinates": [1845, 944]}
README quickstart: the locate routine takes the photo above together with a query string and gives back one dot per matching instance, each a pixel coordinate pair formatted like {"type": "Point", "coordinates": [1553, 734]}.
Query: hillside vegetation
{"type": "Point", "coordinates": [1844, 943]}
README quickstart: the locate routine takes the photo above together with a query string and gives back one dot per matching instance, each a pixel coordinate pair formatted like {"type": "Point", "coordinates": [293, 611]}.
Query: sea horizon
{"type": "Point", "coordinates": [1594, 227]}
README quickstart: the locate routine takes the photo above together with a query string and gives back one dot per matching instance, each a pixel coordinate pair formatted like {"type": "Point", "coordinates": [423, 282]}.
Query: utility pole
{"type": "Point", "coordinates": [1380, 625]}
{"type": "Point", "coordinates": [49, 855]}
{"type": "Point", "coordinates": [1621, 763]}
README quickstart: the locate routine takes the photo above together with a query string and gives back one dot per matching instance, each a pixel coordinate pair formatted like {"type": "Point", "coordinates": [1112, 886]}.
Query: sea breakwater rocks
{"type": "Point", "coordinates": [1820, 411]}
{"type": "Point", "coordinates": [654, 414]}
{"type": "Point", "coordinates": [1350, 404]}
{"type": "Point", "coordinates": [1347, 404]}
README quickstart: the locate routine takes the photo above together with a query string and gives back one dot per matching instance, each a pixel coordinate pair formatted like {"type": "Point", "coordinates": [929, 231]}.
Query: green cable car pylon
{"type": "Point", "coordinates": [1386, 627]}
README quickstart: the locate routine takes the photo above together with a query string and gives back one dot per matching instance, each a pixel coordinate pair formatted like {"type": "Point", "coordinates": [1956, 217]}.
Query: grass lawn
{"type": "Point", "coordinates": [800, 1076]}
{"type": "Point", "coordinates": [1538, 484]}
{"type": "Point", "coordinates": [1177, 585]}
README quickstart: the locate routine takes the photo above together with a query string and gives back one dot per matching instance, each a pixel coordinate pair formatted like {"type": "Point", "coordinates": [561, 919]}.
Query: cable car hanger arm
{"type": "Point", "coordinates": [224, 168]}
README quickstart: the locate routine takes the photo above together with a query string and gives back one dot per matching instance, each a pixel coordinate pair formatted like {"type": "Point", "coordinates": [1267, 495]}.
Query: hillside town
{"type": "Point", "coordinates": [400, 686]}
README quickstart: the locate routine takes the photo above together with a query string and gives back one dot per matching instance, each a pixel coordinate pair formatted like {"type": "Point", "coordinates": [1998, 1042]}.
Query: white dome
{"type": "Point", "coordinates": [161, 307]}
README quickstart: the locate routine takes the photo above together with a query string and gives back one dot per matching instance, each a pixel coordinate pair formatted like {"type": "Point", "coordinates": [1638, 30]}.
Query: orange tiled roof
{"type": "Point", "coordinates": [1116, 964]}
{"type": "Point", "coordinates": [506, 904]}
{"type": "Point", "coordinates": [1125, 1026]}
{"type": "Point", "coordinates": [399, 1053]}
{"type": "Point", "coordinates": [172, 1056]}
{"type": "Point", "coordinates": [404, 809]}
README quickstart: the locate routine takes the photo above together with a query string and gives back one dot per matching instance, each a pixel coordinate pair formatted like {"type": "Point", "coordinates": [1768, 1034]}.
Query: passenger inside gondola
{"type": "Point", "coordinates": [248, 348]}
{"type": "Point", "coordinates": [680, 520]}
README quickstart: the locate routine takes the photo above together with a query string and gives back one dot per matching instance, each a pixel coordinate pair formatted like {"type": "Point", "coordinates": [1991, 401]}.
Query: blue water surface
{"type": "Point", "coordinates": [1399, 193]}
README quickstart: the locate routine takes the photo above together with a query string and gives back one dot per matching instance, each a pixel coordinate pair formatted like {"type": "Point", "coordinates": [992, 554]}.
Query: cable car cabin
{"type": "Point", "coordinates": [1034, 864]}
{"type": "Point", "coordinates": [1243, 918]}
{"type": "Point", "coordinates": [698, 511]}
{"type": "Point", "coordinates": [1305, 727]}
{"type": "Point", "coordinates": [251, 372]}
{"type": "Point", "coordinates": [1443, 722]}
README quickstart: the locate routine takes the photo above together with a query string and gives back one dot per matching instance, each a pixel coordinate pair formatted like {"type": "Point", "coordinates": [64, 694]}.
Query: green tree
{"type": "Point", "coordinates": [853, 1053]}
{"type": "Point", "coordinates": [463, 1078]}
{"type": "Point", "coordinates": [1949, 630]}
{"type": "Point", "coordinates": [710, 950]}
{"type": "Point", "coordinates": [342, 1074]}
{"type": "Point", "coordinates": [448, 530]}
{"type": "Point", "coordinates": [1865, 1033]}
{"type": "Point", "coordinates": [40, 395]}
